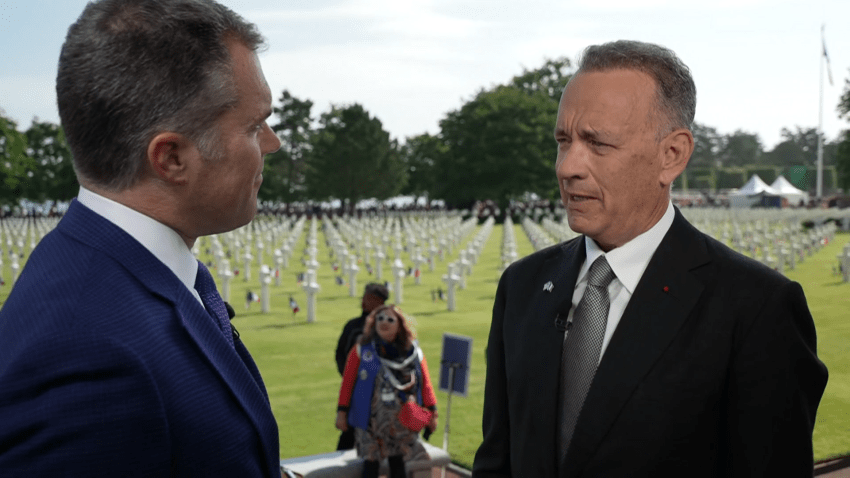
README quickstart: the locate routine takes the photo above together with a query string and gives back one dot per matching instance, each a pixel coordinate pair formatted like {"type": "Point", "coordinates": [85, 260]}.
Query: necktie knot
{"type": "Point", "coordinates": [600, 273]}
{"type": "Point", "coordinates": [204, 282]}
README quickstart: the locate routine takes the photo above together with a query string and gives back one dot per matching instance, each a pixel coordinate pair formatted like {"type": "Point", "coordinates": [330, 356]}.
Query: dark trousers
{"type": "Point", "coordinates": [397, 468]}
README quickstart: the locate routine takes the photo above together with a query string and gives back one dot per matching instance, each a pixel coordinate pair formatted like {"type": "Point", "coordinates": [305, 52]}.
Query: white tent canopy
{"type": "Point", "coordinates": [752, 193]}
{"type": "Point", "coordinates": [789, 192]}
{"type": "Point", "coordinates": [756, 186]}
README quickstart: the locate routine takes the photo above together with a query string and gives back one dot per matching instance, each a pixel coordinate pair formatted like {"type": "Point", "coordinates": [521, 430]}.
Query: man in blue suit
{"type": "Point", "coordinates": [116, 353]}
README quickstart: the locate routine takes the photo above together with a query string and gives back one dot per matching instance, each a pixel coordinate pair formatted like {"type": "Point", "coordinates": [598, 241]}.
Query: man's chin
{"type": "Point", "coordinates": [578, 222]}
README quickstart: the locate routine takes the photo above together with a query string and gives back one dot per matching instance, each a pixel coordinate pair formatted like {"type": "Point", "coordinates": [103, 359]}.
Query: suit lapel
{"type": "Point", "coordinates": [235, 366]}
{"type": "Point", "coordinates": [661, 303]}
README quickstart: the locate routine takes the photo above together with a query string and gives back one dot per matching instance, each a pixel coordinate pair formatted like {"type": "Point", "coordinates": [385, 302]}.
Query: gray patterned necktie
{"type": "Point", "coordinates": [580, 351]}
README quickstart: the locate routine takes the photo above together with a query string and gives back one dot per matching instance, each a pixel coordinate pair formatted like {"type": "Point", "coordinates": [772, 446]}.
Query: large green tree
{"type": "Point", "coordinates": [741, 148]}
{"type": "Point", "coordinates": [285, 169]}
{"type": "Point", "coordinates": [353, 158]}
{"type": "Point", "coordinates": [707, 146]}
{"type": "Point", "coordinates": [52, 177]}
{"type": "Point", "coordinates": [798, 147]}
{"type": "Point", "coordinates": [496, 146]}
{"type": "Point", "coordinates": [842, 161]}
{"type": "Point", "coordinates": [421, 156]}
{"type": "Point", "coordinates": [14, 162]}
{"type": "Point", "coordinates": [499, 146]}
{"type": "Point", "coordinates": [550, 79]}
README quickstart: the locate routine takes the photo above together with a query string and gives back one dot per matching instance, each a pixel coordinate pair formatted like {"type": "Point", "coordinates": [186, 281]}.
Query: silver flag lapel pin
{"type": "Point", "coordinates": [548, 286]}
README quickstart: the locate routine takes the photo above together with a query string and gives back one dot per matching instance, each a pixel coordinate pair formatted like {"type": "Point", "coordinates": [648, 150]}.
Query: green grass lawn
{"type": "Point", "coordinates": [297, 359]}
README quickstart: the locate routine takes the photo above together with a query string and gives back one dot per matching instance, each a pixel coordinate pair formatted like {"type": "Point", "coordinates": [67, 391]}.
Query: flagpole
{"type": "Point", "coordinates": [819, 193]}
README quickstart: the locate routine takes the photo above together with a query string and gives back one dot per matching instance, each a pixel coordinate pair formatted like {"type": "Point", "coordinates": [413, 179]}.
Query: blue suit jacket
{"type": "Point", "coordinates": [110, 367]}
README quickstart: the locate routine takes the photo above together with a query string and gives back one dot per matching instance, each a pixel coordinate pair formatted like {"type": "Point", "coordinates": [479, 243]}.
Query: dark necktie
{"type": "Point", "coordinates": [580, 351]}
{"type": "Point", "coordinates": [205, 285]}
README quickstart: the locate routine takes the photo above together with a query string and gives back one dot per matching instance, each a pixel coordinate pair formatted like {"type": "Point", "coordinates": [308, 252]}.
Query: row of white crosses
{"type": "Point", "coordinates": [435, 237]}
{"type": "Point", "coordinates": [416, 234]}
{"type": "Point", "coordinates": [775, 238]}
{"type": "Point", "coordinates": [360, 236]}
{"type": "Point", "coordinates": [509, 253]}
{"type": "Point", "coordinates": [467, 257]}
{"type": "Point", "coordinates": [560, 231]}
{"type": "Point", "coordinates": [258, 237]}
{"type": "Point", "coordinates": [372, 238]}
{"type": "Point", "coordinates": [18, 238]}
{"type": "Point", "coordinates": [338, 247]}
{"type": "Point", "coordinates": [311, 285]}
{"type": "Point", "coordinates": [271, 238]}
{"type": "Point", "coordinates": [539, 238]}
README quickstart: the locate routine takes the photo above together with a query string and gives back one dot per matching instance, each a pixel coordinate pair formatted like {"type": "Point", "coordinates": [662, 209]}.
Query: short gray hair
{"type": "Point", "coordinates": [676, 91]}
{"type": "Point", "coordinates": [130, 69]}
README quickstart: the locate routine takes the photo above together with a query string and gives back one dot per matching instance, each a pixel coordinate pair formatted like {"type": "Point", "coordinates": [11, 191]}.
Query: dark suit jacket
{"type": "Point", "coordinates": [712, 370]}
{"type": "Point", "coordinates": [110, 367]}
{"type": "Point", "coordinates": [353, 328]}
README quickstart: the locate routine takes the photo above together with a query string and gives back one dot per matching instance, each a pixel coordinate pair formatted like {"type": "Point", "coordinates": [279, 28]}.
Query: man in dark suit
{"type": "Point", "coordinates": [117, 357]}
{"type": "Point", "coordinates": [374, 295]}
{"type": "Point", "coordinates": [702, 362]}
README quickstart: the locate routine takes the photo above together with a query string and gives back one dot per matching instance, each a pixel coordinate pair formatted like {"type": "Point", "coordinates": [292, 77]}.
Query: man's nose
{"type": "Point", "coordinates": [571, 162]}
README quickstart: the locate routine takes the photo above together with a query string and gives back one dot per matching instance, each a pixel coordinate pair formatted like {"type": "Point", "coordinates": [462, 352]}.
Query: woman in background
{"type": "Point", "coordinates": [385, 371]}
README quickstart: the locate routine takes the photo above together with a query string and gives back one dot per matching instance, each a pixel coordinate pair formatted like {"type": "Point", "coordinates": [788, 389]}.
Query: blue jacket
{"type": "Point", "coordinates": [110, 367]}
{"type": "Point", "coordinates": [370, 365]}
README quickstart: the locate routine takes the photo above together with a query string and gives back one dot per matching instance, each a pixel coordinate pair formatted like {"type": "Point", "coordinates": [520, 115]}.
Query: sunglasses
{"type": "Point", "coordinates": [384, 317]}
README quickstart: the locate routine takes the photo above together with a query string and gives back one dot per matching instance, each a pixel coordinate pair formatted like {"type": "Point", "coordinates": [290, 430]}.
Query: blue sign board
{"type": "Point", "coordinates": [457, 353]}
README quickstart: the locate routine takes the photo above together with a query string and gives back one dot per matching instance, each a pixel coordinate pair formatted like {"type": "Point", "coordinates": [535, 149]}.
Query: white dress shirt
{"type": "Point", "coordinates": [162, 241]}
{"type": "Point", "coordinates": [628, 262]}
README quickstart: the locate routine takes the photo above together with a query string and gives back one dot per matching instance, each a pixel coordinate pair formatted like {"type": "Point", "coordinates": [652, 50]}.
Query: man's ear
{"type": "Point", "coordinates": [169, 155]}
{"type": "Point", "coordinates": [677, 148]}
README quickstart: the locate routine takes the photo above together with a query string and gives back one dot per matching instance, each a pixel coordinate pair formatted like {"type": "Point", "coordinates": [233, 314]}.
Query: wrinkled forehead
{"type": "Point", "coordinates": [611, 85]}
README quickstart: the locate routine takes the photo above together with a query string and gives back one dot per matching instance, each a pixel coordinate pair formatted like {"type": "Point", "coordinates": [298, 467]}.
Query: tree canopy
{"type": "Point", "coordinates": [52, 177]}
{"type": "Point", "coordinates": [707, 146]}
{"type": "Point", "coordinates": [353, 158]}
{"type": "Point", "coordinates": [550, 79]}
{"type": "Point", "coordinates": [285, 170]}
{"type": "Point", "coordinates": [498, 146]}
{"type": "Point", "coordinates": [741, 148]}
{"type": "Point", "coordinates": [422, 156]}
{"type": "Point", "coordinates": [14, 162]}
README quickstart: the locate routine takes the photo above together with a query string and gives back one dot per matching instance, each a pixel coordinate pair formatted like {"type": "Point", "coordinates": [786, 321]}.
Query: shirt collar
{"type": "Point", "coordinates": [162, 241]}
{"type": "Point", "coordinates": [630, 260]}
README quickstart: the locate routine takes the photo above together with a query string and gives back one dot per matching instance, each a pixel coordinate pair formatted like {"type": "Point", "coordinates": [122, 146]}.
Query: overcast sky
{"type": "Point", "coordinates": [756, 63]}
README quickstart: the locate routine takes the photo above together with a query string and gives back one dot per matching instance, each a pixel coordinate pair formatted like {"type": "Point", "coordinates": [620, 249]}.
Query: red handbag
{"type": "Point", "coordinates": [414, 417]}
